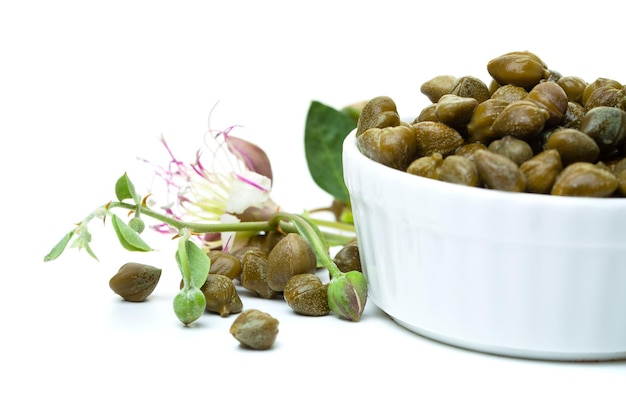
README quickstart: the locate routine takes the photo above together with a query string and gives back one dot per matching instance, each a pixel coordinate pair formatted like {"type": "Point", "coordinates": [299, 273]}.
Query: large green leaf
{"type": "Point", "coordinates": [325, 130]}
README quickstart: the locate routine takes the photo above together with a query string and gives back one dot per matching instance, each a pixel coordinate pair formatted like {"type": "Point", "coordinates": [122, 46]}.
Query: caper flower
{"type": "Point", "coordinates": [234, 184]}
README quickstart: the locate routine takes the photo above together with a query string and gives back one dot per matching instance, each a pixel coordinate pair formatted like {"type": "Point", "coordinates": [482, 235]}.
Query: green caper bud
{"type": "Point", "coordinates": [438, 86]}
{"type": "Point", "coordinates": [455, 111]}
{"type": "Point", "coordinates": [291, 256]}
{"type": "Point", "coordinates": [254, 275]}
{"type": "Point", "coordinates": [522, 119]}
{"type": "Point", "coordinates": [307, 295]}
{"type": "Point", "coordinates": [427, 166]}
{"type": "Point", "coordinates": [221, 295]}
{"type": "Point", "coordinates": [516, 150]}
{"type": "Point", "coordinates": [510, 93]}
{"type": "Point", "coordinates": [573, 146]}
{"type": "Point", "coordinates": [523, 69]}
{"type": "Point", "coordinates": [584, 179]}
{"type": "Point", "coordinates": [189, 304]}
{"type": "Point", "coordinates": [394, 147]}
{"type": "Point", "coordinates": [541, 171]}
{"type": "Point", "coordinates": [255, 329]}
{"type": "Point", "coordinates": [573, 87]}
{"type": "Point", "coordinates": [607, 126]}
{"type": "Point", "coordinates": [348, 258]}
{"type": "Point", "coordinates": [498, 172]}
{"type": "Point", "coordinates": [135, 281]}
{"type": "Point", "coordinates": [434, 137]}
{"type": "Point", "coordinates": [479, 128]}
{"type": "Point", "coordinates": [137, 224]}
{"type": "Point", "coordinates": [551, 97]}
{"type": "Point", "coordinates": [379, 112]}
{"type": "Point", "coordinates": [457, 169]}
{"type": "Point", "coordinates": [223, 263]}
{"type": "Point", "coordinates": [469, 86]}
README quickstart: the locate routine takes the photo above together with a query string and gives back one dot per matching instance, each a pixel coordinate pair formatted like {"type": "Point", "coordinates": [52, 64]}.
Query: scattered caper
{"type": "Point", "coordinates": [135, 281]}
{"type": "Point", "coordinates": [255, 329]}
{"type": "Point", "coordinates": [307, 295]}
{"type": "Point", "coordinates": [221, 295]}
{"type": "Point", "coordinates": [584, 179]}
{"type": "Point", "coordinates": [224, 263]}
{"type": "Point", "coordinates": [292, 255]}
{"type": "Point", "coordinates": [348, 259]}
{"type": "Point", "coordinates": [253, 274]}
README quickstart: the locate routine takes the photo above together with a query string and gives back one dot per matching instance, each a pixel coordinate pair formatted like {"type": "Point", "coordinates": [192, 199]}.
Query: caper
{"type": "Point", "coordinates": [292, 255]}
{"type": "Point", "coordinates": [573, 146]}
{"type": "Point", "coordinates": [224, 263]}
{"type": "Point", "coordinates": [605, 96]}
{"type": "Point", "coordinates": [541, 171]}
{"type": "Point", "coordinates": [607, 126]}
{"type": "Point", "coordinates": [480, 126]}
{"type": "Point", "coordinates": [523, 69]}
{"type": "Point", "coordinates": [498, 172]}
{"type": "Point", "coordinates": [457, 169]}
{"type": "Point", "coordinates": [394, 147]}
{"type": "Point", "coordinates": [378, 112]}
{"type": "Point", "coordinates": [455, 111]}
{"type": "Point", "coordinates": [509, 93]}
{"type": "Point", "coordinates": [597, 83]}
{"type": "Point", "coordinates": [428, 113]}
{"type": "Point", "coordinates": [221, 295]}
{"type": "Point", "coordinates": [255, 329]}
{"type": "Point", "coordinates": [254, 274]}
{"type": "Point", "coordinates": [550, 96]}
{"type": "Point", "coordinates": [522, 119]}
{"type": "Point", "coordinates": [516, 150]}
{"type": "Point", "coordinates": [469, 86]}
{"type": "Point", "coordinates": [348, 259]}
{"type": "Point", "coordinates": [427, 166]}
{"type": "Point", "coordinates": [584, 179]}
{"type": "Point", "coordinates": [307, 295]}
{"type": "Point", "coordinates": [265, 241]}
{"type": "Point", "coordinates": [434, 137]}
{"type": "Point", "coordinates": [134, 281]}
{"type": "Point", "coordinates": [573, 87]}
{"type": "Point", "coordinates": [436, 87]}
{"type": "Point", "coordinates": [573, 115]}
{"type": "Point", "coordinates": [469, 149]}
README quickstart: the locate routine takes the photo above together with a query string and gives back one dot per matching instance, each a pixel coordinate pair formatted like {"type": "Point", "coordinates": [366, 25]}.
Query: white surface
{"type": "Point", "coordinates": [516, 274]}
{"type": "Point", "coordinates": [87, 87]}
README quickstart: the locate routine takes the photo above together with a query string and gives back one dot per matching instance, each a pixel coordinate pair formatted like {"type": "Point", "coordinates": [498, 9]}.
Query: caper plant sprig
{"type": "Point", "coordinates": [347, 291]}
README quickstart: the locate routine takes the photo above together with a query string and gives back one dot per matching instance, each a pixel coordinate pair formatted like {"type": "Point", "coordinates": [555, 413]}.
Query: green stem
{"type": "Point", "coordinates": [258, 226]}
{"type": "Point", "coordinates": [182, 256]}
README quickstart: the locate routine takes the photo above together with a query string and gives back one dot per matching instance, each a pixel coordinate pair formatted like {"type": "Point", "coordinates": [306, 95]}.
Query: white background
{"type": "Point", "coordinates": [87, 87]}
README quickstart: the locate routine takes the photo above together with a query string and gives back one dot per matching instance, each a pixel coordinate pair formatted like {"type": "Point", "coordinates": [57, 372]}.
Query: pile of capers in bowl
{"type": "Point", "coordinates": [531, 129]}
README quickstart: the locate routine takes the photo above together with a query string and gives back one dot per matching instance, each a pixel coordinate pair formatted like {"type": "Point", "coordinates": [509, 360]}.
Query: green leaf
{"type": "Point", "coordinates": [129, 239]}
{"type": "Point", "coordinates": [325, 130]}
{"type": "Point", "coordinates": [124, 189]}
{"type": "Point", "coordinates": [199, 263]}
{"type": "Point", "coordinates": [58, 249]}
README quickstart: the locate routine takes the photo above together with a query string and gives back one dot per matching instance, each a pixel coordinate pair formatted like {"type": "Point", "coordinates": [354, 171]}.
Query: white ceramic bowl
{"type": "Point", "coordinates": [514, 274]}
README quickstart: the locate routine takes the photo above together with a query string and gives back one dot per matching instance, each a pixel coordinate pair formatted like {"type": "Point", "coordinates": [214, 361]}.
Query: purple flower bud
{"type": "Point", "coordinates": [253, 157]}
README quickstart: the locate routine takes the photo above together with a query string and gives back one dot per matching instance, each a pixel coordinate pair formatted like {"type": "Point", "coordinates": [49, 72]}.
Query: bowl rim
{"type": "Point", "coordinates": [352, 152]}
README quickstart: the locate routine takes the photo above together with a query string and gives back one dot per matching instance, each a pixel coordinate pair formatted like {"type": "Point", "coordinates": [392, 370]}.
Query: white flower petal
{"type": "Point", "coordinates": [249, 190]}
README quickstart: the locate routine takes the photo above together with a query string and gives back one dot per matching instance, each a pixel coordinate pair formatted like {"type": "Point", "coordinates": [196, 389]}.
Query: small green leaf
{"type": "Point", "coordinates": [124, 189]}
{"type": "Point", "coordinates": [129, 239]}
{"type": "Point", "coordinates": [325, 130]}
{"type": "Point", "coordinates": [199, 263]}
{"type": "Point", "coordinates": [58, 249]}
